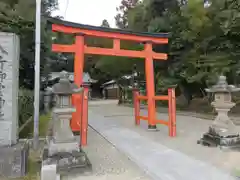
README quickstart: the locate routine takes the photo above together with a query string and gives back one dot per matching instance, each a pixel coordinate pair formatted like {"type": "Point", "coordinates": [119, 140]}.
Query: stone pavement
{"type": "Point", "coordinates": [161, 156]}
{"type": "Point", "coordinates": [108, 163]}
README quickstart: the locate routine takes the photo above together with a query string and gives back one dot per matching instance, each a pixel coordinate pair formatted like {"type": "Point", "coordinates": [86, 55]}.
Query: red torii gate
{"type": "Point", "coordinates": [80, 49]}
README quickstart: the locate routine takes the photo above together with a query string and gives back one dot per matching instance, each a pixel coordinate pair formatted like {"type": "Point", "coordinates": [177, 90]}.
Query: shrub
{"type": "Point", "coordinates": [25, 110]}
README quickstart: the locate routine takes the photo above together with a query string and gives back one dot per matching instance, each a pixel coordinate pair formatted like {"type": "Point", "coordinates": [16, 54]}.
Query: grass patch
{"type": "Point", "coordinates": [43, 124]}
{"type": "Point", "coordinates": [33, 167]}
{"type": "Point", "coordinates": [27, 131]}
{"type": "Point", "coordinates": [236, 172]}
{"type": "Point", "coordinates": [34, 159]}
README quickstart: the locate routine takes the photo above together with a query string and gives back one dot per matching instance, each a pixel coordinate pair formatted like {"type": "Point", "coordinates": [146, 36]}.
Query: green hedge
{"type": "Point", "coordinates": [25, 109]}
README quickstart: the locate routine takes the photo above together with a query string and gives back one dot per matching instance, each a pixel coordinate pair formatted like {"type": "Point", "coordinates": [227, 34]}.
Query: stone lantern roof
{"type": "Point", "coordinates": [222, 86]}
{"type": "Point", "coordinates": [65, 87]}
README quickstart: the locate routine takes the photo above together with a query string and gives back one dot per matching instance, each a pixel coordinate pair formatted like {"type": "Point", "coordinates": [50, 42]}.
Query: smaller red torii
{"type": "Point", "coordinates": [80, 49]}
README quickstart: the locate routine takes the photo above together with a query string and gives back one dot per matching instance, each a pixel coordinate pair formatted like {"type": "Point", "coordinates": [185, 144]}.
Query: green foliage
{"type": "Point", "coordinates": [35, 156]}
{"type": "Point", "coordinates": [25, 109]}
{"type": "Point", "coordinates": [203, 42]}
{"type": "Point", "coordinates": [116, 67]}
{"type": "Point", "coordinates": [44, 124]}
{"type": "Point", "coordinates": [104, 67]}
{"type": "Point", "coordinates": [123, 10]}
{"type": "Point", "coordinates": [18, 16]}
{"type": "Point", "coordinates": [105, 24]}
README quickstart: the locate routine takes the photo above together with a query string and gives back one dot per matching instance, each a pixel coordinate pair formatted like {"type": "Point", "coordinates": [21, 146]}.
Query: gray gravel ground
{"type": "Point", "coordinates": [189, 130]}
{"type": "Point", "coordinates": [108, 163]}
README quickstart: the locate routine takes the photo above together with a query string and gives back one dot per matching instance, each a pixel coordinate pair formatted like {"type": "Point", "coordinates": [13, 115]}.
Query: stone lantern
{"type": "Point", "coordinates": [223, 132]}
{"type": "Point", "coordinates": [63, 149]}
{"type": "Point", "coordinates": [135, 75]}
{"type": "Point", "coordinates": [63, 139]}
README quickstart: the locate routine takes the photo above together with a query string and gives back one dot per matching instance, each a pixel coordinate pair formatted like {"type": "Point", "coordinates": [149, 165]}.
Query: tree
{"type": "Point", "coordinates": [105, 24]}
{"type": "Point", "coordinates": [11, 3]}
{"type": "Point", "coordinates": [121, 18]}
{"type": "Point", "coordinates": [19, 17]}
{"type": "Point", "coordinates": [203, 41]}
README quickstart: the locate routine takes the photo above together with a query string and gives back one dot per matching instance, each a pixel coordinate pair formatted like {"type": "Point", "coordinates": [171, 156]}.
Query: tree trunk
{"type": "Point", "coordinates": [120, 95]}
{"type": "Point", "coordinates": [186, 93]}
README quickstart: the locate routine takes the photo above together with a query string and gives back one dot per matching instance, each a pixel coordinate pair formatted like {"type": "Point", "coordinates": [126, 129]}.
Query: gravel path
{"type": "Point", "coordinates": [108, 163]}
{"type": "Point", "coordinates": [189, 130]}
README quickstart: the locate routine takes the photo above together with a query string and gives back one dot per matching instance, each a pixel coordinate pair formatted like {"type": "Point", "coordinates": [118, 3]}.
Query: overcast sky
{"type": "Point", "coordinates": [90, 12]}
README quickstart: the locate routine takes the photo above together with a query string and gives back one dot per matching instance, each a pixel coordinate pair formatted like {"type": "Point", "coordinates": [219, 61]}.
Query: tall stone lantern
{"type": "Point", "coordinates": [223, 132]}
{"type": "Point", "coordinates": [63, 147]}
{"type": "Point", "coordinates": [62, 137]}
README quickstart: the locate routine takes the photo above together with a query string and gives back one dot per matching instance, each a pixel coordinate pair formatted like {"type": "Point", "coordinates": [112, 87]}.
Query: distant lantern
{"type": "Point", "coordinates": [223, 131]}
{"type": "Point", "coordinates": [135, 75]}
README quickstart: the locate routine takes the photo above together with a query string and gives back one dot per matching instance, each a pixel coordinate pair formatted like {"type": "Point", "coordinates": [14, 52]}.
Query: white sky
{"type": "Point", "coordinates": [90, 12]}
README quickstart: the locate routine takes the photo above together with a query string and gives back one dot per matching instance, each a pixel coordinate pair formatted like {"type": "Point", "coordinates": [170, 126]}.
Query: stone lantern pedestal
{"type": "Point", "coordinates": [223, 132]}
{"type": "Point", "coordinates": [63, 139]}
{"type": "Point", "coordinates": [63, 153]}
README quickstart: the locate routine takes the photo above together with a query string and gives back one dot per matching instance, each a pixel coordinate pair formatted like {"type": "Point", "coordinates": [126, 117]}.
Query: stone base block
{"type": "Point", "coordinates": [77, 137]}
{"type": "Point", "coordinates": [49, 171]}
{"type": "Point", "coordinates": [68, 162]}
{"type": "Point", "coordinates": [14, 160]}
{"type": "Point", "coordinates": [152, 128]}
{"type": "Point", "coordinates": [62, 147]}
{"type": "Point", "coordinates": [212, 139]}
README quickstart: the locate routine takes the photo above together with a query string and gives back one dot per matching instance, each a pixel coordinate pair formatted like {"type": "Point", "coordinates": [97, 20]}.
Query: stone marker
{"type": "Point", "coordinates": [63, 149]}
{"type": "Point", "coordinates": [13, 155]}
{"type": "Point", "coordinates": [9, 65]}
{"type": "Point", "coordinates": [223, 132]}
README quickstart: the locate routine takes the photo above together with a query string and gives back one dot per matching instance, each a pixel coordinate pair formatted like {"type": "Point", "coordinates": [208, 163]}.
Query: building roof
{"type": "Point", "coordinates": [86, 77]}
{"type": "Point", "coordinates": [127, 77]}
{"type": "Point", "coordinates": [109, 82]}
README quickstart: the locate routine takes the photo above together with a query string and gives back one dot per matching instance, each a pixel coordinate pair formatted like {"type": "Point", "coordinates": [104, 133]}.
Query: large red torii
{"type": "Point", "coordinates": [80, 49]}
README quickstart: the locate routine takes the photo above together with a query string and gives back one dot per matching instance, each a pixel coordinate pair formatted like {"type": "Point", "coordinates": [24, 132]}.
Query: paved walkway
{"type": "Point", "coordinates": [163, 157]}
{"type": "Point", "coordinates": [108, 163]}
